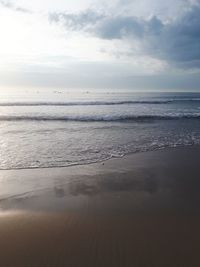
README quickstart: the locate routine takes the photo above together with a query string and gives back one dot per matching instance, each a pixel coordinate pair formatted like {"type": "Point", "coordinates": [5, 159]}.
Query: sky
{"type": "Point", "coordinates": [117, 44]}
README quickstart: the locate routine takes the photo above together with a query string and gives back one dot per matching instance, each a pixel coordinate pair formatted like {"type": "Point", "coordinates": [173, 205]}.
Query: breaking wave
{"type": "Point", "coordinates": [93, 118]}
{"type": "Point", "coordinates": [98, 103]}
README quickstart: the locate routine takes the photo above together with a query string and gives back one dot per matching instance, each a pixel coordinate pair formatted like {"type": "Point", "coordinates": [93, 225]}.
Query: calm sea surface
{"type": "Point", "coordinates": [46, 128]}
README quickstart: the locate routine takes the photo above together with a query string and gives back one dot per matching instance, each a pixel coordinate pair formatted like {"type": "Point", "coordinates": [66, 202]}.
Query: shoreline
{"type": "Point", "coordinates": [134, 170]}
{"type": "Point", "coordinates": [142, 210]}
{"type": "Point", "coordinates": [103, 160]}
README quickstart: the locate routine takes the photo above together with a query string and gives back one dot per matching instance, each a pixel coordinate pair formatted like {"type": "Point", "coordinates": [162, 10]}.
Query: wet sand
{"type": "Point", "coordinates": [141, 210]}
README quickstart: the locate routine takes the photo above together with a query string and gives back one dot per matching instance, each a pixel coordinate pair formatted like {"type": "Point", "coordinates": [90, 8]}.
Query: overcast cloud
{"type": "Point", "coordinates": [119, 40]}
{"type": "Point", "coordinates": [176, 41]}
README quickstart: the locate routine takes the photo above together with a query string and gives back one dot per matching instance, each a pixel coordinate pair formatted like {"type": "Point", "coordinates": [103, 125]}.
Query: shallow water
{"type": "Point", "coordinates": [47, 128]}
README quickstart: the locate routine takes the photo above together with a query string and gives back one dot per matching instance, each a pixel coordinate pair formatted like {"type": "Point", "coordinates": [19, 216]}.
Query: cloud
{"type": "Point", "coordinates": [176, 41]}
{"type": "Point", "coordinates": [119, 27]}
{"type": "Point", "coordinates": [77, 22]}
{"type": "Point", "coordinates": [69, 80]}
{"type": "Point", "coordinates": [10, 5]}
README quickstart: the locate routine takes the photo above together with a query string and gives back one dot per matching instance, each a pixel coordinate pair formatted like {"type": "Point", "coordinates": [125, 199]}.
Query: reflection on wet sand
{"type": "Point", "coordinates": [155, 182]}
{"type": "Point", "coordinates": [113, 183]}
{"type": "Point", "coordinates": [142, 210]}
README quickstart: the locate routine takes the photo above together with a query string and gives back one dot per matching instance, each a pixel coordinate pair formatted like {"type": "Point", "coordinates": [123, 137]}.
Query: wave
{"type": "Point", "coordinates": [88, 162]}
{"type": "Point", "coordinates": [93, 118]}
{"type": "Point", "coordinates": [84, 103]}
{"type": "Point", "coordinates": [97, 103]}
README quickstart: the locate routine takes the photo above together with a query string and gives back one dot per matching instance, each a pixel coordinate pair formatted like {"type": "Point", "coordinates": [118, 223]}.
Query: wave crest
{"type": "Point", "coordinates": [105, 118]}
{"type": "Point", "coordinates": [98, 103]}
{"type": "Point", "coordinates": [84, 103]}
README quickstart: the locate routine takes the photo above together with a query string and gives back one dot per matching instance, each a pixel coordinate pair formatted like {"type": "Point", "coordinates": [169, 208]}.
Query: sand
{"type": "Point", "coordinates": [141, 210]}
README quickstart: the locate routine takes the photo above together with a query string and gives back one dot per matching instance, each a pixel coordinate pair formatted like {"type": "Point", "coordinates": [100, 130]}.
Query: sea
{"type": "Point", "coordinates": [43, 128]}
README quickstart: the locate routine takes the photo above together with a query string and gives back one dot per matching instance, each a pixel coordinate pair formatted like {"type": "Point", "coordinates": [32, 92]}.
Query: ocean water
{"type": "Point", "coordinates": [51, 128]}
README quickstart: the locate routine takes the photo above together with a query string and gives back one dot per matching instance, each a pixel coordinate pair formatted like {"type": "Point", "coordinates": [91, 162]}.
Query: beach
{"type": "Point", "coordinates": [139, 210]}
{"type": "Point", "coordinates": [100, 133]}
